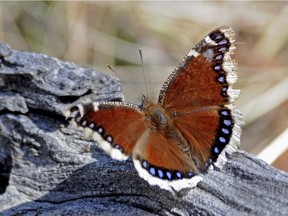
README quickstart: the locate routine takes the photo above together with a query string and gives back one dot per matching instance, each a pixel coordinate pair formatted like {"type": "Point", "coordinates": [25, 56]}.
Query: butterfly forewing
{"type": "Point", "coordinates": [202, 77]}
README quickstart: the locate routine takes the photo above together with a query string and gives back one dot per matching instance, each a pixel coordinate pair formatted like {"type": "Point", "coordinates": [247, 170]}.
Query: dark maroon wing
{"type": "Point", "coordinates": [115, 126]}
{"type": "Point", "coordinates": [199, 99]}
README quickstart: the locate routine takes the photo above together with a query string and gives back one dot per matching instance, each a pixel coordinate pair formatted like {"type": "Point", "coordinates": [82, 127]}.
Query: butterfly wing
{"type": "Point", "coordinates": [161, 161]}
{"type": "Point", "coordinates": [199, 98]}
{"type": "Point", "coordinates": [115, 126]}
{"type": "Point", "coordinates": [204, 76]}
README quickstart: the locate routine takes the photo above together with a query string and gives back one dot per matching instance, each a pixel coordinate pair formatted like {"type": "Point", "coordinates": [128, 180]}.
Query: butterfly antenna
{"type": "Point", "coordinates": [123, 80]}
{"type": "Point", "coordinates": [143, 73]}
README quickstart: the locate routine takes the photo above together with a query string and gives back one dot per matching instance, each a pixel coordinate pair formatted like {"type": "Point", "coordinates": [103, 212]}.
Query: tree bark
{"type": "Point", "coordinates": [46, 167]}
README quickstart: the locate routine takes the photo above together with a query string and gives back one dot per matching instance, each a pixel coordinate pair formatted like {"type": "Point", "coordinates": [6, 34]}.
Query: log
{"type": "Point", "coordinates": [46, 167]}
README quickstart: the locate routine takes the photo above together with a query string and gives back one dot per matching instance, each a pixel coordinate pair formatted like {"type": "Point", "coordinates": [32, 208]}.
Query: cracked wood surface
{"type": "Point", "coordinates": [46, 167]}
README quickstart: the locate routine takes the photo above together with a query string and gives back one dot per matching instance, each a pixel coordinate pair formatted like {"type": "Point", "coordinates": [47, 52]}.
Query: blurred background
{"type": "Point", "coordinates": [94, 34]}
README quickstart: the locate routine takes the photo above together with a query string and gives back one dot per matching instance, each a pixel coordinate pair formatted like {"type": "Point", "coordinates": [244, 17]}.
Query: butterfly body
{"type": "Point", "coordinates": [187, 132]}
{"type": "Point", "coordinates": [156, 115]}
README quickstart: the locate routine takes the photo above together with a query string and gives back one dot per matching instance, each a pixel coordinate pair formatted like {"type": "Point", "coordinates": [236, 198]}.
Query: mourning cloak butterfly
{"type": "Point", "coordinates": [190, 129]}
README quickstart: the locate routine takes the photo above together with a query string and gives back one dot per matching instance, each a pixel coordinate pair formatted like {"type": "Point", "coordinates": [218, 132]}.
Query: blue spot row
{"type": "Point", "coordinates": [164, 173]}
{"type": "Point", "coordinates": [222, 47]}
{"type": "Point", "coordinates": [224, 133]}
{"type": "Point", "coordinates": [84, 122]}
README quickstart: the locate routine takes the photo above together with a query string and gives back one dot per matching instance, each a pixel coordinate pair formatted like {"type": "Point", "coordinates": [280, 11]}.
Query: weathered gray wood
{"type": "Point", "coordinates": [55, 172]}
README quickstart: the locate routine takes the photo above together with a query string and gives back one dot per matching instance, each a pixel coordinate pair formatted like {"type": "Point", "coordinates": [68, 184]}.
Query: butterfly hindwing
{"type": "Point", "coordinates": [160, 160]}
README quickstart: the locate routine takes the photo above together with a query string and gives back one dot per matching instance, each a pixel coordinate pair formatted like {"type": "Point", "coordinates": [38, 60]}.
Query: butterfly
{"type": "Point", "coordinates": [188, 132]}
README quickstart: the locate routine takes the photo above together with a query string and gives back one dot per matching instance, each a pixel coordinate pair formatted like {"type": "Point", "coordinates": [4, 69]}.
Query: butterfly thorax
{"type": "Point", "coordinates": [157, 116]}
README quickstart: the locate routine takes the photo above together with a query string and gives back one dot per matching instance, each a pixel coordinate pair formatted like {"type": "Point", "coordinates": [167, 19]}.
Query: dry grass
{"type": "Point", "coordinates": [99, 33]}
